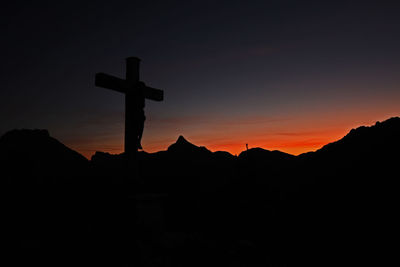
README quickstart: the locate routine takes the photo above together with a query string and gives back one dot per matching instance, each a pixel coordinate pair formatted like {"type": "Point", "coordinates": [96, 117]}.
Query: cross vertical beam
{"type": "Point", "coordinates": [132, 78]}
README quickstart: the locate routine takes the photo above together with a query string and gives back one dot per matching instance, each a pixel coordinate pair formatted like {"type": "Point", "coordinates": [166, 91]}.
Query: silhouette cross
{"type": "Point", "coordinates": [135, 94]}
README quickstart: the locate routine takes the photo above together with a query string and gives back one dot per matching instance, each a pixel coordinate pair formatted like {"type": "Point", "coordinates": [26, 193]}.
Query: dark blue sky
{"type": "Point", "coordinates": [233, 71]}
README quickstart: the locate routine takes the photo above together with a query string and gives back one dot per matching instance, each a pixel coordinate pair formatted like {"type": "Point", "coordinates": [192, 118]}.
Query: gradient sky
{"type": "Point", "coordinates": [286, 75]}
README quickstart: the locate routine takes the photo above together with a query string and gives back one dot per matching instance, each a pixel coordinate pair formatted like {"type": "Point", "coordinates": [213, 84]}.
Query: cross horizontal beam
{"type": "Point", "coordinates": [152, 93]}
{"type": "Point", "coordinates": [122, 86]}
{"type": "Point", "coordinates": [111, 82]}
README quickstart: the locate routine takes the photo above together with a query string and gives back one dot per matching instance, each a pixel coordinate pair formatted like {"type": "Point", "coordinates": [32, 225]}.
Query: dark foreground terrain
{"type": "Point", "coordinates": [188, 206]}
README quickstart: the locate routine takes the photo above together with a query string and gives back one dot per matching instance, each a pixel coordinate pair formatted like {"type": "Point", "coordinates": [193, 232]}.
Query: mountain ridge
{"type": "Point", "coordinates": [183, 146]}
{"type": "Point", "coordinates": [196, 199]}
{"type": "Point", "coordinates": [393, 123]}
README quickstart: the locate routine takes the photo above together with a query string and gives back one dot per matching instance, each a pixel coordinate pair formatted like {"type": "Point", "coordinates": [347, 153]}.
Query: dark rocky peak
{"type": "Point", "coordinates": [181, 140]}
{"type": "Point", "coordinates": [182, 145]}
{"type": "Point", "coordinates": [186, 150]}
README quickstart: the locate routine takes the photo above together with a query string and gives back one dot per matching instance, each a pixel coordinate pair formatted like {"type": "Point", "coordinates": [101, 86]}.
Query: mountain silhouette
{"type": "Point", "coordinates": [260, 154]}
{"type": "Point", "coordinates": [361, 156]}
{"type": "Point", "coordinates": [182, 144]}
{"type": "Point", "coordinates": [264, 207]}
{"type": "Point", "coordinates": [183, 148]}
{"type": "Point", "coordinates": [367, 141]}
{"type": "Point", "coordinates": [36, 153]}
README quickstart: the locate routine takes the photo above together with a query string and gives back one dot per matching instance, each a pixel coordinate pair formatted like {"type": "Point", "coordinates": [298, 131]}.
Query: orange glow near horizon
{"type": "Point", "coordinates": [235, 146]}
{"type": "Point", "coordinates": [293, 131]}
{"type": "Point", "coordinates": [294, 145]}
{"type": "Point", "coordinates": [295, 136]}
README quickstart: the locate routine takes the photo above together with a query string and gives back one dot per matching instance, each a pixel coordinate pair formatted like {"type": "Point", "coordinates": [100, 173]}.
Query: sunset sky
{"type": "Point", "coordinates": [285, 75]}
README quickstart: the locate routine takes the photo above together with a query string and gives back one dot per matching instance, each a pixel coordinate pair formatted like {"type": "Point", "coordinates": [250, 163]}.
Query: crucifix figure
{"type": "Point", "coordinates": [135, 94]}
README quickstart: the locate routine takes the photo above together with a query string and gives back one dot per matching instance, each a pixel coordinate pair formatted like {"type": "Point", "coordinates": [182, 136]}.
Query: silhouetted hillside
{"type": "Point", "coordinates": [36, 153]}
{"type": "Point", "coordinates": [40, 154]}
{"type": "Point", "coordinates": [382, 138]}
{"type": "Point", "coordinates": [364, 152]}
{"type": "Point", "coordinates": [262, 154]}
{"type": "Point", "coordinates": [188, 206]}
